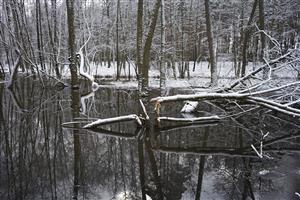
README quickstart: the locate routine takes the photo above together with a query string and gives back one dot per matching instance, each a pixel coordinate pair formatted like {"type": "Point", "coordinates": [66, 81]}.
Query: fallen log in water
{"type": "Point", "coordinates": [100, 122]}
{"type": "Point", "coordinates": [193, 120]}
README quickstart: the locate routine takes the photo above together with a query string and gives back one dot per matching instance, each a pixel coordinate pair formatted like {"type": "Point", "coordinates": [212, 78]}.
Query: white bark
{"type": "Point", "coordinates": [81, 70]}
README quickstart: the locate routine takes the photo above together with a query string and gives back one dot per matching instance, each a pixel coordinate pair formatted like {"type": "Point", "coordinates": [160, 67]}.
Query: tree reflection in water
{"type": "Point", "coordinates": [41, 160]}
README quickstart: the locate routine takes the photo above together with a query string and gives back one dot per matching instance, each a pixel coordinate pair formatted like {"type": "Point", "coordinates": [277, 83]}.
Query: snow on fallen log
{"type": "Point", "coordinates": [100, 122]}
{"type": "Point", "coordinates": [272, 107]}
{"type": "Point", "coordinates": [276, 88]}
{"type": "Point", "coordinates": [241, 80]}
{"type": "Point", "coordinates": [193, 120]}
{"type": "Point", "coordinates": [203, 95]}
{"type": "Point", "coordinates": [272, 103]}
{"type": "Point", "coordinates": [189, 106]}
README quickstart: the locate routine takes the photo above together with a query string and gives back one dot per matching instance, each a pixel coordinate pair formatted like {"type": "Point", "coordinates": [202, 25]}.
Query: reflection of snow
{"type": "Point", "coordinates": [264, 172]}
{"type": "Point", "coordinates": [84, 103]}
{"type": "Point", "coordinates": [208, 191]}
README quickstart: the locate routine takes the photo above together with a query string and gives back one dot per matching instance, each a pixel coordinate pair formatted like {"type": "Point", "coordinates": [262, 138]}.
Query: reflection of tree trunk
{"type": "Point", "coordinates": [201, 166]}
{"type": "Point", "coordinates": [8, 154]}
{"type": "Point", "coordinates": [154, 169]}
{"type": "Point", "coordinates": [200, 177]}
{"type": "Point", "coordinates": [122, 164]}
{"type": "Point", "coordinates": [142, 167]}
{"type": "Point", "coordinates": [46, 129]}
{"type": "Point", "coordinates": [77, 151]}
{"type": "Point", "coordinates": [247, 183]}
{"type": "Point", "coordinates": [132, 168]}
{"type": "Point", "coordinates": [247, 171]}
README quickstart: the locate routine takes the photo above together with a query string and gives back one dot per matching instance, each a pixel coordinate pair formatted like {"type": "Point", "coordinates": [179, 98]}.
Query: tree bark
{"type": "Point", "coordinates": [139, 42]}
{"type": "Point", "coordinates": [162, 68]}
{"type": "Point", "coordinates": [246, 36]}
{"type": "Point", "coordinates": [71, 41]}
{"type": "Point", "coordinates": [147, 47]}
{"type": "Point", "coordinates": [212, 59]}
{"type": "Point", "coordinates": [117, 41]}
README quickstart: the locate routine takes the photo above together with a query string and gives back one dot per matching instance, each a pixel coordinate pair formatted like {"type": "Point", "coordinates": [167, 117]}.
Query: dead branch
{"type": "Point", "coordinates": [144, 109]}
{"type": "Point", "coordinates": [293, 114]}
{"type": "Point", "coordinates": [241, 80]}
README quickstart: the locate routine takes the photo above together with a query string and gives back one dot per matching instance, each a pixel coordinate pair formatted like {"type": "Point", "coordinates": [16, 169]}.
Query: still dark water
{"type": "Point", "coordinates": [41, 159]}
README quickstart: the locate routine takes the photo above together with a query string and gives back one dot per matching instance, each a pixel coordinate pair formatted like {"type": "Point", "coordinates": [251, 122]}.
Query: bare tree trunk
{"type": "Point", "coordinates": [39, 33]}
{"type": "Point", "coordinates": [117, 41]}
{"type": "Point", "coordinates": [52, 35]}
{"type": "Point", "coordinates": [55, 37]}
{"type": "Point", "coordinates": [139, 42]}
{"type": "Point", "coordinates": [246, 36]}
{"type": "Point", "coordinates": [147, 47]}
{"type": "Point", "coordinates": [262, 35]}
{"type": "Point", "coordinates": [162, 67]}
{"type": "Point", "coordinates": [108, 51]}
{"type": "Point", "coordinates": [212, 60]}
{"type": "Point", "coordinates": [72, 53]}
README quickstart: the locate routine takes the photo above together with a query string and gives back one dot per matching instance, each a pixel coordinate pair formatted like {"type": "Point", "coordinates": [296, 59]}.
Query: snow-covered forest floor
{"type": "Point", "coordinates": [199, 78]}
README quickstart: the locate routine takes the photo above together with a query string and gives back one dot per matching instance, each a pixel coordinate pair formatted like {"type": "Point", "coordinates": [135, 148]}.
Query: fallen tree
{"type": "Point", "coordinates": [250, 92]}
{"type": "Point", "coordinates": [100, 122]}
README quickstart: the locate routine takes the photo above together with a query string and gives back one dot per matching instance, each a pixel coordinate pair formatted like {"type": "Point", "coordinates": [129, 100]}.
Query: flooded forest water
{"type": "Point", "coordinates": [41, 159]}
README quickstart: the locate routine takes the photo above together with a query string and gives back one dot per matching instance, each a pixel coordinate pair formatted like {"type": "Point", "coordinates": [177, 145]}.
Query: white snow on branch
{"type": "Point", "coordinates": [195, 119]}
{"type": "Point", "coordinates": [113, 120]}
{"type": "Point", "coordinates": [81, 70]}
{"type": "Point", "coordinates": [203, 95]}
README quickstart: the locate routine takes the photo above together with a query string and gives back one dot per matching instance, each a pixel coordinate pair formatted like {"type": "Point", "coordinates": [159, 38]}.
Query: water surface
{"type": "Point", "coordinates": [41, 159]}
